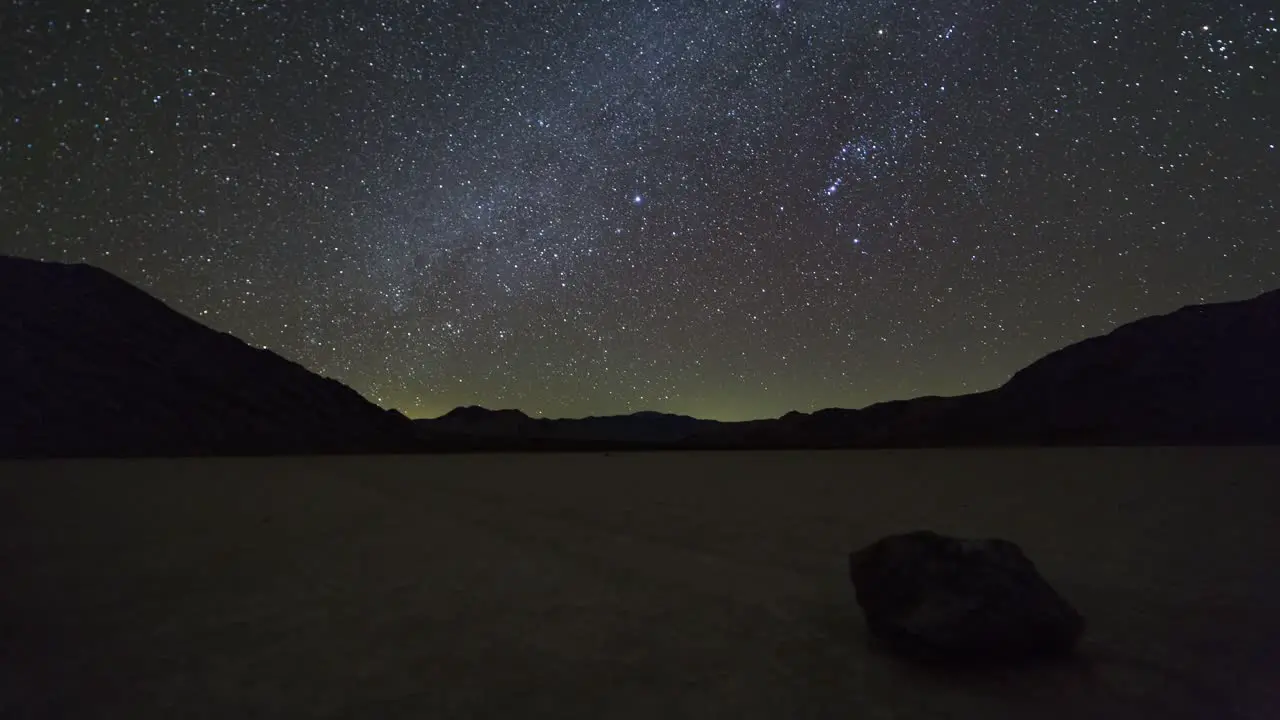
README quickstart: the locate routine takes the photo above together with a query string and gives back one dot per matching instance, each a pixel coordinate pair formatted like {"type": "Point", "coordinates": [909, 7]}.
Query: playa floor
{"type": "Point", "coordinates": [618, 586]}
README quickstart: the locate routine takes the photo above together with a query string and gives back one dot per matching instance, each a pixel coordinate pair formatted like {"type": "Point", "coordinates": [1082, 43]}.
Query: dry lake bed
{"type": "Point", "coordinates": [660, 585]}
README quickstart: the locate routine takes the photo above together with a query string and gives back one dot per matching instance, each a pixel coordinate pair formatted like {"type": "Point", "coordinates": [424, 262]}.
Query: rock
{"type": "Point", "coordinates": [933, 597]}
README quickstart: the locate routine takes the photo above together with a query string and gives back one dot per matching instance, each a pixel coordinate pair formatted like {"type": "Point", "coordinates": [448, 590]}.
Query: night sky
{"type": "Point", "coordinates": [728, 209]}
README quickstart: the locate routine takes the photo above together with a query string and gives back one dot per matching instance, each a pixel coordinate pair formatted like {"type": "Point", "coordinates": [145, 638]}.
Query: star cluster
{"type": "Point", "coordinates": [725, 208]}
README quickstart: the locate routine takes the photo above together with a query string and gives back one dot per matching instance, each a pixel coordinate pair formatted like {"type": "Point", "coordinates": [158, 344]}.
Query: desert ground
{"type": "Point", "coordinates": [656, 585]}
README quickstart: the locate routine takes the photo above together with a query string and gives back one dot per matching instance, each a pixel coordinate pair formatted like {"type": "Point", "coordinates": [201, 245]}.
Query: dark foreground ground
{"type": "Point", "coordinates": [619, 586]}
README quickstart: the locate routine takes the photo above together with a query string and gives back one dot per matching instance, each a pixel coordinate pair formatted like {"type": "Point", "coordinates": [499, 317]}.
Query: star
{"type": "Point", "coordinates": [826, 203]}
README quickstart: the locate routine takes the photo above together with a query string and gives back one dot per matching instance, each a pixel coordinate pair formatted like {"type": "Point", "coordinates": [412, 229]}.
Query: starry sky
{"type": "Point", "coordinates": [724, 208]}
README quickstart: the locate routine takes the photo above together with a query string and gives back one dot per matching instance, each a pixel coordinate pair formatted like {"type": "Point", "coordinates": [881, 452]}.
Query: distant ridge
{"type": "Point", "coordinates": [1201, 375]}
{"type": "Point", "coordinates": [92, 366]}
{"type": "Point", "coordinates": [634, 430]}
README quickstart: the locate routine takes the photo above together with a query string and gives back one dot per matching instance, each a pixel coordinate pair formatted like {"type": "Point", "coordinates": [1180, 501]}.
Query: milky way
{"type": "Point", "coordinates": [725, 209]}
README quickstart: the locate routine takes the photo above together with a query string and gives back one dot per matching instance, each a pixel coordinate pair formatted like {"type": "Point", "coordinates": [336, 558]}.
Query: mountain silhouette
{"type": "Point", "coordinates": [639, 429]}
{"type": "Point", "coordinates": [1202, 375]}
{"type": "Point", "coordinates": [93, 366]}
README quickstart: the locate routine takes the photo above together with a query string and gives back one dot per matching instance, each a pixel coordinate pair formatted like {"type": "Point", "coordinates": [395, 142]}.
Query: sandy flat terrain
{"type": "Point", "coordinates": [618, 586]}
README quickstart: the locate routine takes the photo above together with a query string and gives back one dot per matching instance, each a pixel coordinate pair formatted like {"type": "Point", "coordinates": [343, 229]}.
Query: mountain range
{"type": "Point", "coordinates": [1202, 375]}
{"type": "Point", "coordinates": [93, 366]}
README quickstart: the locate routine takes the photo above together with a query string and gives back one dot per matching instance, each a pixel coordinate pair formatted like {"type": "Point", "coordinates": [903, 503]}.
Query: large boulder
{"type": "Point", "coordinates": [940, 598]}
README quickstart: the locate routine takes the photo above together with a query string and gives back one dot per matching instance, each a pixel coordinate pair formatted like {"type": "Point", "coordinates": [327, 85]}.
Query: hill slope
{"type": "Point", "coordinates": [92, 366]}
{"type": "Point", "coordinates": [1205, 374]}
